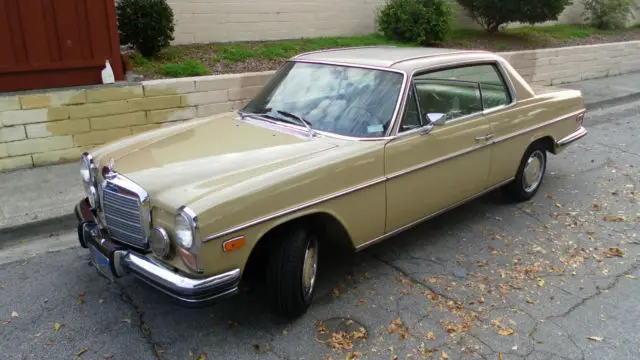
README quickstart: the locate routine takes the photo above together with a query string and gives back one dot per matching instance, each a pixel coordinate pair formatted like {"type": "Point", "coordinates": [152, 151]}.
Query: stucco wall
{"type": "Point", "coordinates": [214, 20]}
{"type": "Point", "coordinates": [202, 21]}
{"type": "Point", "coordinates": [49, 127]}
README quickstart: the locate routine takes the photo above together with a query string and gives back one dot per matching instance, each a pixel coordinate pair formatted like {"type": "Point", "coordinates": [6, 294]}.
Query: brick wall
{"type": "Point", "coordinates": [203, 21]}
{"type": "Point", "coordinates": [49, 127]}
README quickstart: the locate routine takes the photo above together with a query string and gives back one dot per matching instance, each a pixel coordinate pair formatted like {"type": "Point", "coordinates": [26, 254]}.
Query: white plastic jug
{"type": "Point", "coordinates": [107, 74]}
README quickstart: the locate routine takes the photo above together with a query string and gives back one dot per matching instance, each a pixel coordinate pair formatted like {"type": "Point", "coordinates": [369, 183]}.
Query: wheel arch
{"type": "Point", "coordinates": [332, 232]}
{"type": "Point", "coordinates": [547, 141]}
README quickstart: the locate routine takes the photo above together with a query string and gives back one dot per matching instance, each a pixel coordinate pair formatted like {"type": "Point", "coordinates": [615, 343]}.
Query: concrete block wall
{"type": "Point", "coordinates": [56, 126]}
{"type": "Point", "coordinates": [576, 63]}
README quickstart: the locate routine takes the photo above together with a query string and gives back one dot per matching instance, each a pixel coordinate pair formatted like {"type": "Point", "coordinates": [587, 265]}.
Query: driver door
{"type": "Point", "coordinates": [432, 166]}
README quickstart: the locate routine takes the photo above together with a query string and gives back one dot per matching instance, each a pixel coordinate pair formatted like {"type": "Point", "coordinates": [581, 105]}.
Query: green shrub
{"type": "Point", "coordinates": [146, 24]}
{"type": "Point", "coordinates": [495, 14]}
{"type": "Point", "coordinates": [420, 21]}
{"type": "Point", "coordinates": [609, 14]}
{"type": "Point", "coordinates": [184, 69]}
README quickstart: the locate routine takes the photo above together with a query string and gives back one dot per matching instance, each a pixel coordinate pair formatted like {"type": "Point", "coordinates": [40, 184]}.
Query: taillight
{"type": "Point", "coordinates": [580, 118]}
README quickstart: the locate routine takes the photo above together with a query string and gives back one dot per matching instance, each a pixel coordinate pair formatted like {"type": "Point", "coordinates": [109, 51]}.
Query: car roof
{"type": "Point", "coordinates": [381, 56]}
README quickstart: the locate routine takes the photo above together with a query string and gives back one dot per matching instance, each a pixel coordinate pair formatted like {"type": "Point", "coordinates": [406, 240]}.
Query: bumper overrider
{"type": "Point", "coordinates": [114, 260]}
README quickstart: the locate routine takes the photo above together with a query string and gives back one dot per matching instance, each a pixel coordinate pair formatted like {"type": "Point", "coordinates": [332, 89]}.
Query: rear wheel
{"type": "Point", "coordinates": [530, 174]}
{"type": "Point", "coordinates": [291, 273]}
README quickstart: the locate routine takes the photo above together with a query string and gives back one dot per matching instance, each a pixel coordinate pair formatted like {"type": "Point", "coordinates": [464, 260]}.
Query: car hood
{"type": "Point", "coordinates": [180, 164]}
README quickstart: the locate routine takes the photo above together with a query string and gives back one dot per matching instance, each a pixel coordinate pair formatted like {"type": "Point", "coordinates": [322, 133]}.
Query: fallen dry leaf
{"type": "Point", "coordinates": [541, 283]}
{"type": "Point", "coordinates": [611, 218]}
{"type": "Point", "coordinates": [81, 293]}
{"type": "Point", "coordinates": [530, 301]}
{"type": "Point", "coordinates": [57, 326]}
{"type": "Point", "coordinates": [336, 292]}
{"type": "Point", "coordinates": [398, 327]}
{"type": "Point", "coordinates": [82, 351]}
{"type": "Point", "coordinates": [595, 338]}
{"type": "Point", "coordinates": [505, 332]}
{"type": "Point", "coordinates": [444, 356]}
{"type": "Point", "coordinates": [354, 355]}
{"type": "Point", "coordinates": [341, 341]}
{"type": "Point", "coordinates": [431, 336]}
{"type": "Point", "coordinates": [614, 251]}
{"type": "Point", "coordinates": [14, 314]}
{"type": "Point", "coordinates": [107, 356]}
{"type": "Point", "coordinates": [202, 356]}
{"type": "Point", "coordinates": [6, 322]}
{"type": "Point", "coordinates": [360, 334]}
{"type": "Point", "coordinates": [499, 356]}
{"type": "Point", "coordinates": [630, 276]}
{"type": "Point", "coordinates": [49, 342]}
{"type": "Point", "coordinates": [596, 207]}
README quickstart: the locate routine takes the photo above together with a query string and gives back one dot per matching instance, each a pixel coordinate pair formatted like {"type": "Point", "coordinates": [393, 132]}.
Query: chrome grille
{"type": "Point", "coordinates": [123, 217]}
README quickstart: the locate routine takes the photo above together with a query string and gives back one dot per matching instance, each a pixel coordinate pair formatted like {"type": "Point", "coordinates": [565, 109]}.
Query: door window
{"type": "Point", "coordinates": [459, 92]}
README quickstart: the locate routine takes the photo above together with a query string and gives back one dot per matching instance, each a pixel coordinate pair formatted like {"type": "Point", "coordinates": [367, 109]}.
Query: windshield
{"type": "Point", "coordinates": [343, 100]}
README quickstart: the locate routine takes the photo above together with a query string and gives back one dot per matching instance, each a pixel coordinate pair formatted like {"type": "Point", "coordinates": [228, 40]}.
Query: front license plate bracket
{"type": "Point", "coordinates": [102, 263]}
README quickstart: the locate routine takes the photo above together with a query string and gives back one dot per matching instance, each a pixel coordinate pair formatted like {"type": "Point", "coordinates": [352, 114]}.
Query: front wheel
{"type": "Point", "coordinates": [291, 273]}
{"type": "Point", "coordinates": [530, 174]}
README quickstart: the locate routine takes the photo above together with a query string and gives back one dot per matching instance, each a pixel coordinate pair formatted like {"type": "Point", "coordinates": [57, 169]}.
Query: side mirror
{"type": "Point", "coordinates": [437, 119]}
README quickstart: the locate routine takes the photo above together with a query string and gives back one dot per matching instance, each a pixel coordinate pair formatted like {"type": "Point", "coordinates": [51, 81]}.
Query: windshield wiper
{"type": "Point", "coordinates": [270, 118]}
{"type": "Point", "coordinates": [304, 122]}
{"type": "Point", "coordinates": [244, 114]}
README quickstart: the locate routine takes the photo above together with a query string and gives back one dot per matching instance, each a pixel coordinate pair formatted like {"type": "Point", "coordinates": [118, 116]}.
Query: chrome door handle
{"type": "Point", "coordinates": [486, 138]}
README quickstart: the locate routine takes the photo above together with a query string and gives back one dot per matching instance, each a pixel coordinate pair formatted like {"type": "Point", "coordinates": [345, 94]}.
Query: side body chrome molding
{"type": "Point", "coordinates": [294, 209]}
{"type": "Point", "coordinates": [431, 216]}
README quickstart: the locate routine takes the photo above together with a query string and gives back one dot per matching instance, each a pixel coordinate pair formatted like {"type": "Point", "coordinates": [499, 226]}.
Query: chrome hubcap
{"type": "Point", "coordinates": [310, 267]}
{"type": "Point", "coordinates": [533, 170]}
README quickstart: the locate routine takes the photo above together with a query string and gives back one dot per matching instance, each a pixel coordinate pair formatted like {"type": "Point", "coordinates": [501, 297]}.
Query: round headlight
{"type": "Point", "coordinates": [92, 194]}
{"type": "Point", "coordinates": [184, 230]}
{"type": "Point", "coordinates": [85, 170]}
{"type": "Point", "coordinates": [159, 242]}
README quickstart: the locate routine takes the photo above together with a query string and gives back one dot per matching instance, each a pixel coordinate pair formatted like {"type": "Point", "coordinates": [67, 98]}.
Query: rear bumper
{"type": "Point", "coordinates": [117, 260]}
{"type": "Point", "coordinates": [571, 138]}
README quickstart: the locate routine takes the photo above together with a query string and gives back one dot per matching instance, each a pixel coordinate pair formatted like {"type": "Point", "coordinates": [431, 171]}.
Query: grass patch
{"type": "Point", "coordinates": [563, 32]}
{"type": "Point", "coordinates": [185, 68]}
{"type": "Point", "coordinates": [238, 52]}
{"type": "Point", "coordinates": [201, 59]}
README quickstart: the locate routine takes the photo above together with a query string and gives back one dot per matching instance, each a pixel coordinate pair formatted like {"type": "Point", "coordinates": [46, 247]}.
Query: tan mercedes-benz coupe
{"type": "Point", "coordinates": [342, 147]}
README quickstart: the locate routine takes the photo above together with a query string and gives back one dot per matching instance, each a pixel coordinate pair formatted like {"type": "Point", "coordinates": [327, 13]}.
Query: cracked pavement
{"type": "Point", "coordinates": [547, 279]}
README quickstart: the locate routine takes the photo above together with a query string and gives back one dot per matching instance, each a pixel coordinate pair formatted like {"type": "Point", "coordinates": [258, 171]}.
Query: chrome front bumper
{"type": "Point", "coordinates": [114, 260]}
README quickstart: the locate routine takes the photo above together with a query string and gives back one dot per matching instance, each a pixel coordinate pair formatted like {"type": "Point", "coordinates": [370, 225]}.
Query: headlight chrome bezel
{"type": "Point", "coordinates": [89, 168]}
{"type": "Point", "coordinates": [186, 221]}
{"type": "Point", "coordinates": [159, 243]}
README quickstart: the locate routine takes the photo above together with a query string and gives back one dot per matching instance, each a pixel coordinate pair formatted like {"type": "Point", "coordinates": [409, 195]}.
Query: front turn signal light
{"type": "Point", "coordinates": [233, 244]}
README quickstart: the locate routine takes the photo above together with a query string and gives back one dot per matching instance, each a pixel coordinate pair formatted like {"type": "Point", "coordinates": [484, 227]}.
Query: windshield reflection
{"type": "Point", "coordinates": [343, 100]}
